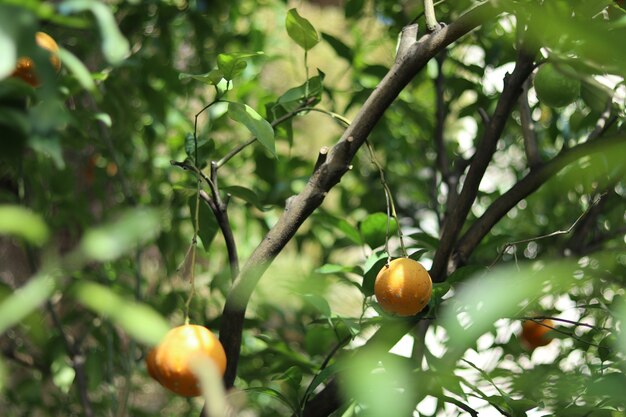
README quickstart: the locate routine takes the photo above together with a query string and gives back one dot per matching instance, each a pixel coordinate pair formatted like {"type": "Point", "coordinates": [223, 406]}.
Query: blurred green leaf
{"type": "Point", "coordinates": [501, 293]}
{"type": "Point", "coordinates": [115, 47]}
{"type": "Point", "coordinates": [139, 320]}
{"type": "Point", "coordinates": [339, 224]}
{"type": "Point", "coordinates": [118, 238]}
{"type": "Point", "coordinates": [62, 374]}
{"type": "Point", "coordinates": [270, 392]}
{"type": "Point", "coordinates": [8, 50]}
{"type": "Point", "coordinates": [26, 299]}
{"type": "Point", "coordinates": [319, 303]}
{"type": "Point", "coordinates": [258, 126]}
{"type": "Point", "coordinates": [78, 69]}
{"type": "Point", "coordinates": [374, 229]}
{"type": "Point", "coordinates": [384, 390]}
{"type": "Point", "coordinates": [22, 222]}
{"type": "Point", "coordinates": [301, 30]}
{"type": "Point", "coordinates": [210, 379]}
{"type": "Point", "coordinates": [334, 269]}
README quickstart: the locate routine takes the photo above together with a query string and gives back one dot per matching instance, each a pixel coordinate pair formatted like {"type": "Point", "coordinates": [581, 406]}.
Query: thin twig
{"type": "Point", "coordinates": [391, 208]}
{"type": "Point", "coordinates": [509, 245]}
{"type": "Point", "coordinates": [429, 15]}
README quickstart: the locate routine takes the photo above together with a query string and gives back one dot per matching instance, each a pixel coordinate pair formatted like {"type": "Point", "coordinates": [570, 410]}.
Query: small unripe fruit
{"type": "Point", "coordinates": [555, 88]}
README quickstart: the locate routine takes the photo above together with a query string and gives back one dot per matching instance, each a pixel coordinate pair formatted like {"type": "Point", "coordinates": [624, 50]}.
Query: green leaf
{"type": "Point", "coordinates": [208, 223]}
{"type": "Point", "coordinates": [339, 224]}
{"type": "Point", "coordinates": [62, 374]}
{"type": "Point", "coordinates": [231, 65]}
{"type": "Point", "coordinates": [190, 146]}
{"type": "Point", "coordinates": [22, 222]}
{"type": "Point", "coordinates": [373, 266]}
{"type": "Point", "coordinates": [464, 273]}
{"type": "Point", "coordinates": [246, 194]}
{"type": "Point", "coordinates": [293, 97]}
{"type": "Point", "coordinates": [293, 374]}
{"type": "Point", "coordinates": [8, 50]}
{"type": "Point", "coordinates": [258, 126]}
{"type": "Point", "coordinates": [270, 392]}
{"type": "Point", "coordinates": [115, 47]}
{"type": "Point", "coordinates": [374, 229]}
{"type": "Point", "coordinates": [139, 320]}
{"type": "Point", "coordinates": [301, 30]}
{"type": "Point", "coordinates": [78, 69]}
{"type": "Point", "coordinates": [212, 77]}
{"type": "Point", "coordinates": [133, 228]}
{"type": "Point", "coordinates": [334, 269]}
{"type": "Point", "coordinates": [26, 299]}
{"type": "Point", "coordinates": [503, 292]}
{"type": "Point", "coordinates": [340, 48]}
{"type": "Point", "coordinates": [319, 303]}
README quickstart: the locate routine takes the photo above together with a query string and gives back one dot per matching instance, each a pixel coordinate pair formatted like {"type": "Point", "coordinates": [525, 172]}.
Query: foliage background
{"type": "Point", "coordinates": [96, 220]}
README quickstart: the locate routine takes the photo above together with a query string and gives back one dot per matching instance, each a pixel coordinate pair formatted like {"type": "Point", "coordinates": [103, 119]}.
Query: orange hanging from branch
{"type": "Point", "coordinates": [169, 362]}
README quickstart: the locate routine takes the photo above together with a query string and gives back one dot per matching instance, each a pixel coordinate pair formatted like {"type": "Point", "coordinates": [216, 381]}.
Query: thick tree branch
{"type": "Point", "coordinates": [329, 173]}
{"type": "Point", "coordinates": [221, 215]}
{"type": "Point", "coordinates": [482, 157]}
{"type": "Point", "coordinates": [521, 190]}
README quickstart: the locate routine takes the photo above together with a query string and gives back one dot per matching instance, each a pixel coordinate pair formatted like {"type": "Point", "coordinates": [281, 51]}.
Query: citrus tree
{"type": "Point", "coordinates": [357, 208]}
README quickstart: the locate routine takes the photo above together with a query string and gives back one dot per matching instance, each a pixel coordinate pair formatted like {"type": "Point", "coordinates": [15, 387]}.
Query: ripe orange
{"type": "Point", "coordinates": [25, 68]}
{"type": "Point", "coordinates": [403, 287]}
{"type": "Point", "coordinates": [168, 363]}
{"type": "Point", "coordinates": [534, 333]}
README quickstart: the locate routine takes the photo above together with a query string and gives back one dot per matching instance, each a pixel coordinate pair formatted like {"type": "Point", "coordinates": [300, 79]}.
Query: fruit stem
{"type": "Point", "coordinates": [391, 208]}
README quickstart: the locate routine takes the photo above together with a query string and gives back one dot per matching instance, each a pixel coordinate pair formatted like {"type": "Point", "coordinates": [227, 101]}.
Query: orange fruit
{"type": "Point", "coordinates": [403, 287]}
{"type": "Point", "coordinates": [534, 333]}
{"type": "Point", "coordinates": [25, 68]}
{"type": "Point", "coordinates": [168, 362]}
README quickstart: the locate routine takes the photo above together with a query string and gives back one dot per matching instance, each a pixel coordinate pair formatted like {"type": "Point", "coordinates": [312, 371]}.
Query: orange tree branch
{"type": "Point", "coordinates": [523, 188]}
{"type": "Point", "coordinates": [482, 157]}
{"type": "Point", "coordinates": [299, 207]}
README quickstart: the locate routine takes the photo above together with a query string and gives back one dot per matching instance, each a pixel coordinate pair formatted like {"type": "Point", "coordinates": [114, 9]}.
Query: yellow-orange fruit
{"type": "Point", "coordinates": [168, 363]}
{"type": "Point", "coordinates": [403, 287]}
{"type": "Point", "coordinates": [25, 68]}
{"type": "Point", "coordinates": [534, 333]}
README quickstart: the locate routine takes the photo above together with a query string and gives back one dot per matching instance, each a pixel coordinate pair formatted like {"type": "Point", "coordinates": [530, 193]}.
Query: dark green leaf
{"type": "Point", "coordinates": [374, 229]}
{"type": "Point", "coordinates": [340, 48]}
